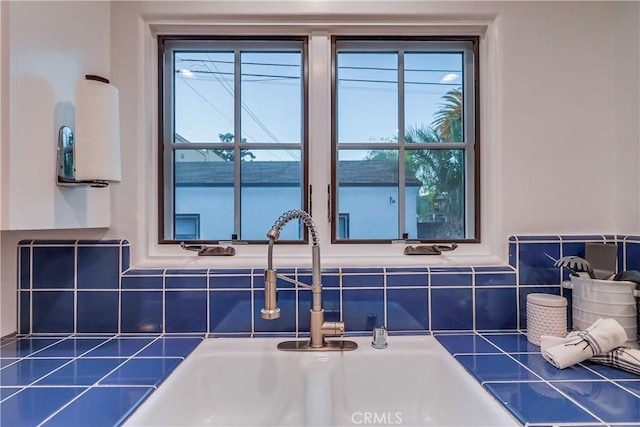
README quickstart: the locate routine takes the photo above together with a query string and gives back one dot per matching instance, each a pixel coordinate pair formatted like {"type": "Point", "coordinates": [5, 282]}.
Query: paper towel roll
{"type": "Point", "coordinates": [97, 135]}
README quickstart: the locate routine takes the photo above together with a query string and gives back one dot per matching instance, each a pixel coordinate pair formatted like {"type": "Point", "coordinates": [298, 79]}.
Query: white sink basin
{"type": "Point", "coordinates": [237, 381]}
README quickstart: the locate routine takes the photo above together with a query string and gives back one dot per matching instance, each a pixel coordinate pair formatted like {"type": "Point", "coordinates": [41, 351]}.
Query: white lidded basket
{"type": "Point", "coordinates": [546, 315]}
{"type": "Point", "coordinates": [593, 299]}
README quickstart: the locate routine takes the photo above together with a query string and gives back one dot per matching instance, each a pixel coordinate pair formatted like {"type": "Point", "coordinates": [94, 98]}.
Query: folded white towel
{"type": "Point", "coordinates": [601, 337]}
{"type": "Point", "coordinates": [548, 341]}
{"type": "Point", "coordinates": [625, 358]}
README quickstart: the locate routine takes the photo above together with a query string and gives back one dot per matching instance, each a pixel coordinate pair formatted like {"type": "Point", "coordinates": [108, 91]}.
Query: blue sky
{"type": "Point", "coordinates": [271, 87]}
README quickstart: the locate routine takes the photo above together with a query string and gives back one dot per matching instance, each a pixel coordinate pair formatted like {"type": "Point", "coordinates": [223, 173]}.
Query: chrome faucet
{"type": "Point", "coordinates": [319, 328]}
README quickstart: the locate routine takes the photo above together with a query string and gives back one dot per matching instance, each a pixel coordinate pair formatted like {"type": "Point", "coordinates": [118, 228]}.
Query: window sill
{"type": "Point", "coordinates": [332, 256]}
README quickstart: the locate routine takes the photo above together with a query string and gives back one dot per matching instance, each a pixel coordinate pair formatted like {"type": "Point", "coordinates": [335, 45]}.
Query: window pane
{"type": "Point", "coordinates": [367, 91]}
{"type": "Point", "coordinates": [433, 97]}
{"type": "Point", "coordinates": [271, 184]}
{"type": "Point", "coordinates": [343, 226]}
{"type": "Point", "coordinates": [271, 97]}
{"type": "Point", "coordinates": [368, 193]}
{"type": "Point", "coordinates": [187, 227]}
{"type": "Point", "coordinates": [203, 85]}
{"type": "Point", "coordinates": [435, 194]}
{"type": "Point", "coordinates": [204, 187]}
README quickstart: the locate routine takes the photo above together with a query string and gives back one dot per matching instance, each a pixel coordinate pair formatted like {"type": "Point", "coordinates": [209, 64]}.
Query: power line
{"type": "Point", "coordinates": [223, 73]}
{"type": "Point", "coordinates": [220, 112]}
{"type": "Point", "coordinates": [206, 100]}
{"type": "Point", "coordinates": [224, 84]}
{"type": "Point", "coordinates": [275, 82]}
{"type": "Point", "coordinates": [395, 82]}
{"type": "Point", "coordinates": [184, 80]}
{"type": "Point", "coordinates": [344, 67]}
{"type": "Point", "coordinates": [246, 108]}
{"type": "Point", "coordinates": [280, 77]}
{"type": "Point", "coordinates": [227, 87]}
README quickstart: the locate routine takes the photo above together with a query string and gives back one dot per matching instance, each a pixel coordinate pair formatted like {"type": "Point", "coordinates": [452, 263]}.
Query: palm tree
{"type": "Point", "coordinates": [442, 174]}
{"type": "Point", "coordinates": [448, 119]}
{"type": "Point", "coordinates": [440, 171]}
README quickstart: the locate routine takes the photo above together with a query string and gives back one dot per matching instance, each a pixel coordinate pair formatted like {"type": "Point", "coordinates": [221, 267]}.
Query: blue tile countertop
{"type": "Point", "coordinates": [538, 394]}
{"type": "Point", "coordinates": [99, 380]}
{"type": "Point", "coordinates": [83, 381]}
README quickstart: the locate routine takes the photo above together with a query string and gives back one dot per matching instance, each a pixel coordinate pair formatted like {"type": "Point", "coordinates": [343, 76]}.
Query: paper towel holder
{"type": "Point", "coordinates": [65, 157]}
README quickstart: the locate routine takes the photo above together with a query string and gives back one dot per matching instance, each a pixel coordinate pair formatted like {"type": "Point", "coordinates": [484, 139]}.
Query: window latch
{"type": "Point", "coordinates": [429, 250]}
{"type": "Point", "coordinates": [204, 250]}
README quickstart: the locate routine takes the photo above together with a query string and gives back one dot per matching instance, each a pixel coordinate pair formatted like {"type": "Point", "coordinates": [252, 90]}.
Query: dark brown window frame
{"type": "Point", "coordinates": [333, 190]}
{"type": "Point", "coordinates": [306, 187]}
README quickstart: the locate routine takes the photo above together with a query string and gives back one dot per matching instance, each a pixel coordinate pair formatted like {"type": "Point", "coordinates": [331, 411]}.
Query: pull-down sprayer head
{"type": "Point", "coordinates": [318, 328]}
{"type": "Point", "coordinates": [271, 310]}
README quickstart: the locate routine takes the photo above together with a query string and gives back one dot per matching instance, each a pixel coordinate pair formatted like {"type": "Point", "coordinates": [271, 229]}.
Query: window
{"type": "Point", "coordinates": [187, 226]}
{"type": "Point", "coordinates": [405, 139]}
{"type": "Point", "coordinates": [233, 137]}
{"type": "Point", "coordinates": [343, 226]}
{"type": "Point", "coordinates": [396, 143]}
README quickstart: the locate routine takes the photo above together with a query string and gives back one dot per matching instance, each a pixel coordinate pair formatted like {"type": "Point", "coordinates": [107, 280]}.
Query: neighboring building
{"type": "Point", "coordinates": [368, 195]}
{"type": "Point", "coordinates": [195, 155]}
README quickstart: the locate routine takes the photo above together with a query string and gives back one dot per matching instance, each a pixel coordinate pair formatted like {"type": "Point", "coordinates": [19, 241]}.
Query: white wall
{"type": "Point", "coordinates": [46, 48]}
{"type": "Point", "coordinates": [559, 153]}
{"type": "Point", "coordinates": [626, 116]}
{"type": "Point", "coordinates": [558, 165]}
{"type": "Point", "coordinates": [548, 129]}
{"type": "Point", "coordinates": [50, 49]}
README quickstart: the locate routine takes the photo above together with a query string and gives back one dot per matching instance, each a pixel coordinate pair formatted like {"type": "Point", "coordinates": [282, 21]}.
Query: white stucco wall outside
{"type": "Point", "coordinates": [373, 211]}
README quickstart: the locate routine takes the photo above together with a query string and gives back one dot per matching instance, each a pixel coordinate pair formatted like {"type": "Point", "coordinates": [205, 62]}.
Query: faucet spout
{"type": "Point", "coordinates": [319, 328]}
{"type": "Point", "coordinates": [271, 310]}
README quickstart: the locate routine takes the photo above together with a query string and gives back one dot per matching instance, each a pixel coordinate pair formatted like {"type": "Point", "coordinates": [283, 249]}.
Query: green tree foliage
{"type": "Point", "coordinates": [441, 171]}
{"type": "Point", "coordinates": [448, 119]}
{"type": "Point", "coordinates": [442, 175]}
{"type": "Point", "coordinates": [229, 155]}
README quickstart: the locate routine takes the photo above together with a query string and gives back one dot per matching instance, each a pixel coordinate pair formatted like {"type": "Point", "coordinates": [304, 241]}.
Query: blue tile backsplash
{"type": "Point", "coordinates": [93, 291]}
{"type": "Point", "coordinates": [87, 287]}
{"type": "Point", "coordinates": [98, 336]}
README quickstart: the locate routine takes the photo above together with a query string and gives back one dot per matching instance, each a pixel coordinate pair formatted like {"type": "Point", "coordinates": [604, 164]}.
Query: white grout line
{"type": "Point", "coordinates": [120, 274]}
{"type": "Point", "coordinates": [95, 385]}
{"type": "Point", "coordinates": [18, 288]}
{"type": "Point", "coordinates": [75, 288]}
{"type": "Point", "coordinates": [164, 302]}
{"type": "Point", "coordinates": [208, 290]}
{"type": "Point", "coordinates": [613, 381]}
{"type": "Point", "coordinates": [340, 299]}
{"type": "Point", "coordinates": [473, 303]}
{"type": "Point", "coordinates": [429, 303]}
{"type": "Point", "coordinates": [297, 322]}
{"type": "Point", "coordinates": [518, 287]}
{"type": "Point", "coordinates": [31, 288]}
{"type": "Point", "coordinates": [253, 320]}
{"type": "Point", "coordinates": [70, 245]}
{"type": "Point", "coordinates": [540, 377]}
{"type": "Point", "coordinates": [70, 359]}
{"type": "Point", "coordinates": [81, 386]}
{"type": "Point", "coordinates": [583, 424]}
{"type": "Point", "coordinates": [384, 300]}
